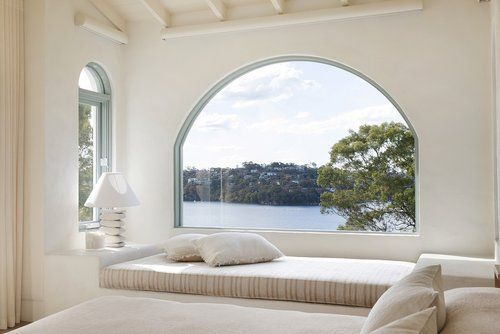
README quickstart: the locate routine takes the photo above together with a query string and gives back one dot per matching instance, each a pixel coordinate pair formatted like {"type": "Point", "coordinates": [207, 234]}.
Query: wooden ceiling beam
{"type": "Point", "coordinates": [158, 11]}
{"type": "Point", "coordinates": [386, 7]}
{"type": "Point", "coordinates": [218, 8]}
{"type": "Point", "coordinates": [110, 13]}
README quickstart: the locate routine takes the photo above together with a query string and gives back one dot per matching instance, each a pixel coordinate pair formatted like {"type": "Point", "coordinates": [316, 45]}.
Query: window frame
{"type": "Point", "coordinates": [104, 129]}
{"type": "Point", "coordinates": [211, 93]}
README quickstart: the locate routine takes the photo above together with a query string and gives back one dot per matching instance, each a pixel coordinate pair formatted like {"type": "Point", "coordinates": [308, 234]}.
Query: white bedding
{"type": "Point", "coordinates": [319, 280]}
{"type": "Point", "coordinates": [124, 315]}
{"type": "Point", "coordinates": [472, 310]}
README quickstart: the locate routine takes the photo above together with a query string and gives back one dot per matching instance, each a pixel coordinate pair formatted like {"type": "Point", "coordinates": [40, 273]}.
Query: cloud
{"type": "Point", "coordinates": [215, 148]}
{"type": "Point", "coordinates": [273, 83]}
{"type": "Point", "coordinates": [216, 122]}
{"type": "Point", "coordinates": [302, 114]}
{"type": "Point", "coordinates": [352, 119]}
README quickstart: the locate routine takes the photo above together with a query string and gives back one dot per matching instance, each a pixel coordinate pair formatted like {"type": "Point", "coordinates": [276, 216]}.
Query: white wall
{"type": "Point", "coordinates": [436, 64]}
{"type": "Point", "coordinates": [56, 52]}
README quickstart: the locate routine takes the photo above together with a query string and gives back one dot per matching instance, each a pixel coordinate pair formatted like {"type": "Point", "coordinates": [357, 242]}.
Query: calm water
{"type": "Point", "coordinates": [215, 214]}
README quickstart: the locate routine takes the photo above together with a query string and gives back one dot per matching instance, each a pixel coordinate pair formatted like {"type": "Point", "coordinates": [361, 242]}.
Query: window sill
{"type": "Point", "coordinates": [309, 232]}
{"type": "Point", "coordinates": [108, 256]}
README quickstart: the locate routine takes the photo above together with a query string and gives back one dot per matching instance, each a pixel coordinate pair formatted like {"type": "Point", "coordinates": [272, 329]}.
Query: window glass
{"type": "Point", "coordinates": [89, 80]}
{"type": "Point", "coordinates": [94, 136]}
{"type": "Point", "coordinates": [299, 145]}
{"type": "Point", "coordinates": [87, 157]}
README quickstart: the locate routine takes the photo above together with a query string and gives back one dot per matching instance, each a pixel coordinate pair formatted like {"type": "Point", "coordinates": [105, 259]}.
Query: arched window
{"type": "Point", "coordinates": [297, 143]}
{"type": "Point", "coordinates": [94, 134]}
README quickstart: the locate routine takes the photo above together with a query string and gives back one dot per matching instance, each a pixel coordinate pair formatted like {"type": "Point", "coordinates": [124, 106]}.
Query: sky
{"type": "Point", "coordinates": [289, 112]}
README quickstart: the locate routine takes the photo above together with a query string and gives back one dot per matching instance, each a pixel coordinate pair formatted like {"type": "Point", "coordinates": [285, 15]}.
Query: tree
{"type": "Point", "coordinates": [85, 160]}
{"type": "Point", "coordinates": [370, 179]}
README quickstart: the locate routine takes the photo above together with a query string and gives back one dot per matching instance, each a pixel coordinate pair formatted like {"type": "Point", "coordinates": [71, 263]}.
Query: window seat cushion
{"type": "Point", "coordinates": [337, 281]}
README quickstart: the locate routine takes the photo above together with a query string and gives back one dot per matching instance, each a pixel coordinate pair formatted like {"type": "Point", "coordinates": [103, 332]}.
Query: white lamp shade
{"type": "Point", "coordinates": [112, 191]}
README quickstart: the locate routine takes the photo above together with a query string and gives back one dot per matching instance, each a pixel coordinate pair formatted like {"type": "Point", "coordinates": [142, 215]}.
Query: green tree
{"type": "Point", "coordinates": [370, 180]}
{"type": "Point", "coordinates": [85, 160]}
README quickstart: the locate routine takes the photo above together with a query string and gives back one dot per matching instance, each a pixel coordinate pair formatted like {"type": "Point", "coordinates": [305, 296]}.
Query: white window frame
{"type": "Point", "coordinates": [103, 144]}
{"type": "Point", "coordinates": [198, 108]}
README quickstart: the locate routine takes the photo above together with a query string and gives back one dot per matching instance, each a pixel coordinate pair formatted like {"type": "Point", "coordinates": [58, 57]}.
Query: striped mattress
{"type": "Point", "coordinates": [305, 279]}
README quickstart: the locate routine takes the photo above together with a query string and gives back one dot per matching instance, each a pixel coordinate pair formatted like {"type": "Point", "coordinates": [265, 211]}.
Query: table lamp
{"type": "Point", "coordinates": [112, 193]}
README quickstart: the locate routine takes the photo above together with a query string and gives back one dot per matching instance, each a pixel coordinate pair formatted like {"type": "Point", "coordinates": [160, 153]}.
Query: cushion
{"type": "Point", "coordinates": [412, 294]}
{"type": "Point", "coordinates": [472, 310]}
{"type": "Point", "coordinates": [423, 322]}
{"type": "Point", "coordinates": [182, 249]}
{"type": "Point", "coordinates": [230, 248]}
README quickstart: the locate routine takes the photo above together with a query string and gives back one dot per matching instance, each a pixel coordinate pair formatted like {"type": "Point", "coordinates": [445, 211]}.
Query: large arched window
{"type": "Point", "coordinates": [297, 143]}
{"type": "Point", "coordinates": [94, 135]}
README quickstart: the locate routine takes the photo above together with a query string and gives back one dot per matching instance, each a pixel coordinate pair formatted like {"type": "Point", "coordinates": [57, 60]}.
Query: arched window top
{"type": "Point", "coordinates": [93, 78]}
{"type": "Point", "coordinates": [297, 143]}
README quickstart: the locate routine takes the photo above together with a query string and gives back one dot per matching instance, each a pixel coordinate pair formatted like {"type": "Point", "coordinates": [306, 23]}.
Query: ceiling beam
{"type": "Point", "coordinates": [386, 7]}
{"type": "Point", "coordinates": [279, 6]}
{"type": "Point", "coordinates": [110, 13]}
{"type": "Point", "coordinates": [102, 29]}
{"type": "Point", "coordinates": [159, 12]}
{"type": "Point", "coordinates": [218, 8]}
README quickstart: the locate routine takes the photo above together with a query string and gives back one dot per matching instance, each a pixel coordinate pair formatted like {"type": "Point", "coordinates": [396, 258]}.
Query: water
{"type": "Point", "coordinates": [216, 214]}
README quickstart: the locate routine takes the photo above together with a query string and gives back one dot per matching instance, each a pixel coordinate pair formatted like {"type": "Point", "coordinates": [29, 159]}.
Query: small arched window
{"type": "Point", "coordinates": [94, 134]}
{"type": "Point", "coordinates": [297, 143]}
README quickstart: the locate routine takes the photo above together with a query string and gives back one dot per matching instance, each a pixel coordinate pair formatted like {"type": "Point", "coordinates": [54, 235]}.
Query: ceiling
{"type": "Point", "coordinates": [181, 18]}
{"type": "Point", "coordinates": [184, 12]}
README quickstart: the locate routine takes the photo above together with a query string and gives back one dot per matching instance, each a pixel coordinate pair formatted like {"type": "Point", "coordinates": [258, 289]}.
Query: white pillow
{"type": "Point", "coordinates": [423, 322]}
{"type": "Point", "coordinates": [412, 294]}
{"type": "Point", "coordinates": [182, 249]}
{"type": "Point", "coordinates": [229, 248]}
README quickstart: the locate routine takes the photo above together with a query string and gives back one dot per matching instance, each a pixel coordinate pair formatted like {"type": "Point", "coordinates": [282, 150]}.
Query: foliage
{"type": "Point", "coordinates": [86, 160]}
{"type": "Point", "coordinates": [370, 179]}
{"type": "Point", "coordinates": [273, 184]}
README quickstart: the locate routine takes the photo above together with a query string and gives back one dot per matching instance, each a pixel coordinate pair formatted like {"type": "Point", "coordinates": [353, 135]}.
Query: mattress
{"type": "Point", "coordinates": [337, 281]}
{"type": "Point", "coordinates": [125, 315]}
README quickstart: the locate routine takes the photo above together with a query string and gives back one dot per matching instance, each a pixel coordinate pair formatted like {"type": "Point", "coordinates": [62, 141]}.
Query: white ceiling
{"type": "Point", "coordinates": [198, 10]}
{"type": "Point", "coordinates": [181, 18]}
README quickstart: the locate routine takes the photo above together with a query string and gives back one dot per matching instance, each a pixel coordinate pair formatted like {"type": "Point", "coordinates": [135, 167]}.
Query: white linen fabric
{"type": "Point", "coordinates": [337, 281]}
{"type": "Point", "coordinates": [412, 294]}
{"type": "Point", "coordinates": [11, 159]}
{"type": "Point", "coordinates": [423, 322]}
{"type": "Point", "coordinates": [124, 315]}
{"type": "Point", "coordinates": [472, 310]}
{"type": "Point", "coordinates": [231, 248]}
{"type": "Point", "coordinates": [182, 248]}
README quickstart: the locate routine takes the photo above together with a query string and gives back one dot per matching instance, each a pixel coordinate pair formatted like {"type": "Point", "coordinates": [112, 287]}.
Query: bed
{"type": "Point", "coordinates": [336, 281]}
{"type": "Point", "coordinates": [469, 310]}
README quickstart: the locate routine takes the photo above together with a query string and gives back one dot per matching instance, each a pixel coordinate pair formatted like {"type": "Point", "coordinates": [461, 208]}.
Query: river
{"type": "Point", "coordinates": [216, 214]}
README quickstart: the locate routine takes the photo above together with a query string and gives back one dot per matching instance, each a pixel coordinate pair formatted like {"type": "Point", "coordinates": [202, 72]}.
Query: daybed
{"type": "Point", "coordinates": [469, 310]}
{"type": "Point", "coordinates": [317, 280]}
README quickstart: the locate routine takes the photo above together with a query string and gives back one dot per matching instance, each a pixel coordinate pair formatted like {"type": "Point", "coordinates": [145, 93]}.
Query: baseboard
{"type": "Point", "coordinates": [31, 310]}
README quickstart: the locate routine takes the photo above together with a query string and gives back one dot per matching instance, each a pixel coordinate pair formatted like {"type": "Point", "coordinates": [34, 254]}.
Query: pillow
{"type": "Point", "coordinates": [423, 322]}
{"type": "Point", "coordinates": [229, 248]}
{"type": "Point", "coordinates": [412, 294]}
{"type": "Point", "coordinates": [182, 249]}
{"type": "Point", "coordinates": [472, 310]}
